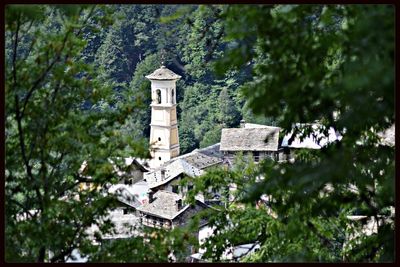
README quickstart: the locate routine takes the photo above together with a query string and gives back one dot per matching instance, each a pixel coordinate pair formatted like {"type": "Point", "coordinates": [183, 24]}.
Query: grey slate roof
{"type": "Point", "coordinates": [202, 159]}
{"type": "Point", "coordinates": [171, 171]}
{"type": "Point", "coordinates": [191, 164]}
{"type": "Point", "coordinates": [164, 205]}
{"type": "Point", "coordinates": [163, 73]}
{"type": "Point", "coordinates": [250, 139]}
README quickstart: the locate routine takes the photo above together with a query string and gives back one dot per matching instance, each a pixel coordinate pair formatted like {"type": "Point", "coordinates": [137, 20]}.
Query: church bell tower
{"type": "Point", "coordinates": [164, 140]}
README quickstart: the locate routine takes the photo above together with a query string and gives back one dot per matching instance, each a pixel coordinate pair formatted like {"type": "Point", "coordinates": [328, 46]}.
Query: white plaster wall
{"type": "Point", "coordinates": [163, 114]}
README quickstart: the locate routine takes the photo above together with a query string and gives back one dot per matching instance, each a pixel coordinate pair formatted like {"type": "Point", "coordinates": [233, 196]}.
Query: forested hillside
{"type": "Point", "coordinates": [188, 39]}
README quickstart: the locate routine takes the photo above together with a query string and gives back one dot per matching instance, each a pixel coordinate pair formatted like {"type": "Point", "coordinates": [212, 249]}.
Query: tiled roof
{"type": "Point", "coordinates": [164, 205]}
{"type": "Point", "coordinates": [171, 171]}
{"type": "Point", "coordinates": [250, 139]}
{"type": "Point", "coordinates": [191, 164]}
{"type": "Point", "coordinates": [163, 73]}
{"type": "Point", "coordinates": [201, 160]}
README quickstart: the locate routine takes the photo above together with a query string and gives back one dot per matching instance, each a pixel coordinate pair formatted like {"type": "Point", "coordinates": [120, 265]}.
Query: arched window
{"type": "Point", "coordinates": [158, 92]}
{"type": "Point", "coordinates": [172, 97]}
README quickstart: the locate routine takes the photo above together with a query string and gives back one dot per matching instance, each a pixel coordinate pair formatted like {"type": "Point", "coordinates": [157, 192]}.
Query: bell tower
{"type": "Point", "coordinates": [164, 140]}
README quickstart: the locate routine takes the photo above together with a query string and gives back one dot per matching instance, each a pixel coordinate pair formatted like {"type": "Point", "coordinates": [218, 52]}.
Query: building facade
{"type": "Point", "coordinates": [164, 138]}
{"type": "Point", "coordinates": [255, 140]}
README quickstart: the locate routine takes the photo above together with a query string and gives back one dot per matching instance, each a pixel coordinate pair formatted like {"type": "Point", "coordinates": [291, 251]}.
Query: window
{"type": "Point", "coordinates": [159, 158]}
{"type": "Point", "coordinates": [172, 97]}
{"type": "Point", "coordinates": [128, 181]}
{"type": "Point", "coordinates": [159, 138]}
{"type": "Point", "coordinates": [256, 155]}
{"type": "Point", "coordinates": [158, 92]}
{"type": "Point", "coordinates": [175, 189]}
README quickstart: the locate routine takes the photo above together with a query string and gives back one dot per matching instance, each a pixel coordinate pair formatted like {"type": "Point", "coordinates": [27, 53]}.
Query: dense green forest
{"type": "Point", "coordinates": [75, 91]}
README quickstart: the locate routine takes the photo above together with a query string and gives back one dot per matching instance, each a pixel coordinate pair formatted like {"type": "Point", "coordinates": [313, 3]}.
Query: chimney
{"type": "Point", "coordinates": [242, 123]}
{"type": "Point", "coordinates": [150, 194]}
{"type": "Point", "coordinates": [178, 203]}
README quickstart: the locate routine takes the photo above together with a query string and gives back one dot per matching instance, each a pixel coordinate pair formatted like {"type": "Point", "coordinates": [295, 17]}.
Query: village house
{"type": "Point", "coordinates": [258, 141]}
{"type": "Point", "coordinates": [166, 210]}
{"type": "Point", "coordinates": [132, 171]}
{"type": "Point", "coordinates": [193, 164]}
{"type": "Point", "coordinates": [166, 196]}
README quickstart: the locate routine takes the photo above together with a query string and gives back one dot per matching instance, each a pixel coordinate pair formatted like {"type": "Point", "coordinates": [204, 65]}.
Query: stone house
{"type": "Point", "coordinates": [193, 164]}
{"type": "Point", "coordinates": [166, 210]}
{"type": "Point", "coordinates": [132, 172]}
{"type": "Point", "coordinates": [258, 141]}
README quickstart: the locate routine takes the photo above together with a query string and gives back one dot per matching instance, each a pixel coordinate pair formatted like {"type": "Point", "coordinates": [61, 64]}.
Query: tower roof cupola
{"type": "Point", "coordinates": [163, 73]}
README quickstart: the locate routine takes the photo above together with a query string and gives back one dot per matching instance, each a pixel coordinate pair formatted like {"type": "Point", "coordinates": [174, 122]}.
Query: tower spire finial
{"type": "Point", "coordinates": [162, 57]}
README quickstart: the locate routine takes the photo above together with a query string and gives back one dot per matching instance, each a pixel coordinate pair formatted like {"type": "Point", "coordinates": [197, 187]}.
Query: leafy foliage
{"type": "Point", "coordinates": [51, 131]}
{"type": "Point", "coordinates": [325, 55]}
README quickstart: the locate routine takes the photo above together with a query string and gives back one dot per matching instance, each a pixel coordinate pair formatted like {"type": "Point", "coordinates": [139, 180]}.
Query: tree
{"type": "Point", "coordinates": [335, 65]}
{"type": "Point", "coordinates": [131, 38]}
{"type": "Point", "coordinates": [229, 115]}
{"type": "Point", "coordinates": [58, 115]}
{"type": "Point", "coordinates": [139, 92]}
{"type": "Point", "coordinates": [204, 43]}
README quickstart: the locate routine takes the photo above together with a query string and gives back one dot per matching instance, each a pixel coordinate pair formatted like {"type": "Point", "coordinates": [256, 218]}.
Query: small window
{"type": "Point", "coordinates": [172, 97]}
{"type": "Point", "coordinates": [175, 189]}
{"type": "Point", "coordinates": [159, 158]}
{"type": "Point", "coordinates": [159, 138]}
{"type": "Point", "coordinates": [158, 92]}
{"type": "Point", "coordinates": [256, 155]}
{"type": "Point", "coordinates": [128, 181]}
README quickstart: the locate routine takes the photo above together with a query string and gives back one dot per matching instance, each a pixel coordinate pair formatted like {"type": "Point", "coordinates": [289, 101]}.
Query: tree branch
{"type": "Point", "coordinates": [79, 179]}
{"type": "Point", "coordinates": [41, 77]}
{"type": "Point", "coordinates": [315, 230]}
{"type": "Point", "coordinates": [25, 209]}
{"type": "Point", "coordinates": [14, 60]}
